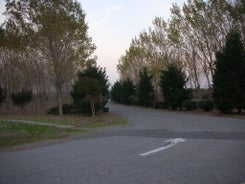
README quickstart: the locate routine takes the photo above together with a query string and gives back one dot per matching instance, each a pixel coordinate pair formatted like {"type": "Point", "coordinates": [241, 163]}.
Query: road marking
{"type": "Point", "coordinates": [171, 142]}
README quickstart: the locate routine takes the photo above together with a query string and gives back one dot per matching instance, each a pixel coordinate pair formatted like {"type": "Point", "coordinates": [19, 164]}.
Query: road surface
{"type": "Point", "coordinates": [158, 147]}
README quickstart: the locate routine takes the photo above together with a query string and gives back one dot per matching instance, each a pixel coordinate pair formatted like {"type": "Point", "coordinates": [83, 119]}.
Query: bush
{"type": "Point", "coordinates": [84, 106]}
{"type": "Point", "coordinates": [3, 95]}
{"type": "Point", "coordinates": [66, 109]}
{"type": "Point", "coordinates": [206, 105]}
{"type": "Point", "coordinates": [161, 105]}
{"type": "Point", "coordinates": [189, 105]}
{"type": "Point", "coordinates": [22, 98]}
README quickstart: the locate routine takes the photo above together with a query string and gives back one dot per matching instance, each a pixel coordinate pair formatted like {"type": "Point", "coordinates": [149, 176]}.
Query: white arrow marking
{"type": "Point", "coordinates": [171, 142]}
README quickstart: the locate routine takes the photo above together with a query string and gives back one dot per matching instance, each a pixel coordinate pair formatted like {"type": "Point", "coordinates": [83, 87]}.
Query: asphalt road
{"type": "Point", "coordinates": [213, 153]}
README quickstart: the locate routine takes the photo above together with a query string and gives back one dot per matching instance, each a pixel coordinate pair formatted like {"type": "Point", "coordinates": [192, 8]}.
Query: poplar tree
{"type": "Point", "coordinates": [57, 31]}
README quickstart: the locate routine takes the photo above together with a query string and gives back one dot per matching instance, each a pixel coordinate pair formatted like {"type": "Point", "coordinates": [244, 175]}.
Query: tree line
{"type": "Point", "coordinates": [172, 83]}
{"type": "Point", "coordinates": [44, 46]}
{"type": "Point", "coordinates": [228, 90]}
{"type": "Point", "coordinates": [194, 40]}
{"type": "Point", "coordinates": [189, 39]}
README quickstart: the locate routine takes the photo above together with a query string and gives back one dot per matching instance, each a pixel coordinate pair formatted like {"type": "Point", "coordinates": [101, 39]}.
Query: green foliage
{"type": "Point", "coordinates": [99, 74]}
{"type": "Point", "coordinates": [229, 77]}
{"type": "Point", "coordinates": [123, 92]}
{"type": "Point", "coordinates": [3, 95]}
{"type": "Point", "coordinates": [90, 89]}
{"type": "Point", "coordinates": [67, 108]}
{"type": "Point", "coordinates": [15, 133]}
{"type": "Point", "coordinates": [206, 105]}
{"type": "Point", "coordinates": [161, 105]}
{"type": "Point", "coordinates": [189, 105]}
{"type": "Point", "coordinates": [18, 133]}
{"type": "Point", "coordinates": [22, 98]}
{"type": "Point", "coordinates": [172, 83]}
{"type": "Point", "coordinates": [145, 90]}
{"type": "Point", "coordinates": [116, 92]}
{"type": "Point", "coordinates": [128, 91]}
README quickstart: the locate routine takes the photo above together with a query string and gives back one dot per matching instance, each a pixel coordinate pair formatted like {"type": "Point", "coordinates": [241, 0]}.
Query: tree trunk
{"type": "Point", "coordinates": [197, 84]}
{"type": "Point", "coordinates": [92, 107]}
{"type": "Point", "coordinates": [59, 98]}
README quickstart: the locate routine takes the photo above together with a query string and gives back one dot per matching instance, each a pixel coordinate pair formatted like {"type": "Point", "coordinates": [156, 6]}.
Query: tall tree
{"type": "Point", "coordinates": [57, 30]}
{"type": "Point", "coordinates": [173, 86]}
{"type": "Point", "coordinates": [145, 89]}
{"type": "Point", "coordinates": [229, 85]}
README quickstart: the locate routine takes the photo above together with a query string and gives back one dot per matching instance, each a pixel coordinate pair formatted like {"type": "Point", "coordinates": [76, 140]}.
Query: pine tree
{"type": "Point", "coordinates": [128, 91]}
{"type": "Point", "coordinates": [145, 89]}
{"type": "Point", "coordinates": [173, 86]}
{"type": "Point", "coordinates": [90, 89]}
{"type": "Point", "coordinates": [229, 77]}
{"type": "Point", "coordinates": [116, 92]}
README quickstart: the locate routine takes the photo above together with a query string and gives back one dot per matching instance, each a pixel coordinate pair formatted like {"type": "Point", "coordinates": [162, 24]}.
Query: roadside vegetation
{"type": "Point", "coordinates": [195, 60]}
{"type": "Point", "coordinates": [15, 133]}
{"type": "Point", "coordinates": [226, 95]}
{"type": "Point", "coordinates": [49, 73]}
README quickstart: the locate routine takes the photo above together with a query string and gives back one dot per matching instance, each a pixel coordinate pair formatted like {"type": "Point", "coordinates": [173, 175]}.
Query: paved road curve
{"type": "Point", "coordinates": [213, 152]}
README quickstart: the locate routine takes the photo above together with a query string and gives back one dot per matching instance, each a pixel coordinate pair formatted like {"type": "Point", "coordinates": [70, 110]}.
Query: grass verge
{"type": "Point", "coordinates": [16, 133]}
{"type": "Point", "coordinates": [45, 119]}
{"type": "Point", "coordinates": [101, 122]}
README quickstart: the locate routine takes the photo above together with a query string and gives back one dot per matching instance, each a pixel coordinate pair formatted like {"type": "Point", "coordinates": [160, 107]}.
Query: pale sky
{"type": "Point", "coordinates": [114, 23]}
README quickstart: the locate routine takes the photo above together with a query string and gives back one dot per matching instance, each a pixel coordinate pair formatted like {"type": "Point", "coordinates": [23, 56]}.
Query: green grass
{"type": "Point", "coordinates": [101, 123]}
{"type": "Point", "coordinates": [41, 119]}
{"type": "Point", "coordinates": [15, 133]}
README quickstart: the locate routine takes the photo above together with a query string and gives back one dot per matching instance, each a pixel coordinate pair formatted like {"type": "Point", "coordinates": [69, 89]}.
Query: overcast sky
{"type": "Point", "coordinates": [113, 24]}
